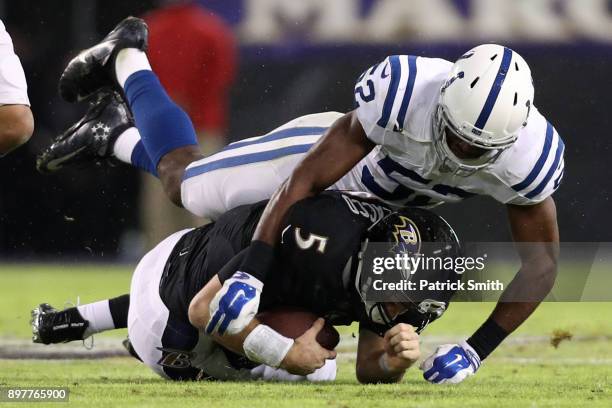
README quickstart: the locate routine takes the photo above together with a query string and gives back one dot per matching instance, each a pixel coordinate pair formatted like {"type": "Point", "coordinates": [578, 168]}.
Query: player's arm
{"type": "Point", "coordinates": [16, 121]}
{"type": "Point", "coordinates": [337, 152]}
{"type": "Point", "coordinates": [259, 342]}
{"type": "Point", "coordinates": [199, 316]}
{"type": "Point", "coordinates": [16, 127]}
{"type": "Point", "coordinates": [386, 359]}
{"type": "Point", "coordinates": [536, 227]}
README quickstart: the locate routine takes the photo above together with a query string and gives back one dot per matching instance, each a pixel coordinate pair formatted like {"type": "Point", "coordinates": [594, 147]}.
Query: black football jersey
{"type": "Point", "coordinates": [201, 253]}
{"type": "Point", "coordinates": [314, 268]}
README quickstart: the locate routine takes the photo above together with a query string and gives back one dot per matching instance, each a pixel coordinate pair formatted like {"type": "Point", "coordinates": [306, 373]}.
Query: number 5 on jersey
{"type": "Point", "coordinates": [319, 242]}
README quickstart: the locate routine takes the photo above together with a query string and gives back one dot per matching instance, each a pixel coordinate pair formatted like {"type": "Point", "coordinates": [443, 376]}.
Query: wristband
{"type": "Point", "coordinates": [266, 346]}
{"type": "Point", "coordinates": [258, 260]}
{"type": "Point", "coordinates": [487, 338]}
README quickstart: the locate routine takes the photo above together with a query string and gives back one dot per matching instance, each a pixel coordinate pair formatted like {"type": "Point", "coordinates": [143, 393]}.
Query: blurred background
{"type": "Point", "coordinates": [243, 67]}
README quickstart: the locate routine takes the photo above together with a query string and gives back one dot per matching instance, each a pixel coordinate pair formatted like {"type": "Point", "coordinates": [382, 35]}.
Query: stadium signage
{"type": "Point", "coordinates": [397, 21]}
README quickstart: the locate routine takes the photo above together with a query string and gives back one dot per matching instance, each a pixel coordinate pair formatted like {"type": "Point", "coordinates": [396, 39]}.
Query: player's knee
{"type": "Point", "coordinates": [16, 126]}
{"type": "Point", "coordinates": [171, 169]}
{"type": "Point", "coordinates": [172, 187]}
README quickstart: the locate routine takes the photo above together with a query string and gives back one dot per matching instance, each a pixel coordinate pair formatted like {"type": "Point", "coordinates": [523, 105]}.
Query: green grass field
{"type": "Point", "coordinates": [526, 371]}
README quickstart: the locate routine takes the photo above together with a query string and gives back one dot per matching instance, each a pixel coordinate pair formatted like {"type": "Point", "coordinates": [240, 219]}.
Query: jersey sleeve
{"type": "Point", "coordinates": [541, 176]}
{"type": "Point", "coordinates": [13, 86]}
{"type": "Point", "coordinates": [382, 95]}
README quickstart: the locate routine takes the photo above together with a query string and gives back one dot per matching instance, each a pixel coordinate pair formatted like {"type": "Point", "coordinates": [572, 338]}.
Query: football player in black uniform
{"type": "Point", "coordinates": [318, 268]}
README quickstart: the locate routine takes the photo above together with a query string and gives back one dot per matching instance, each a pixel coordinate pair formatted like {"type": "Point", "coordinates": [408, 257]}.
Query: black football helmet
{"type": "Point", "coordinates": [412, 232]}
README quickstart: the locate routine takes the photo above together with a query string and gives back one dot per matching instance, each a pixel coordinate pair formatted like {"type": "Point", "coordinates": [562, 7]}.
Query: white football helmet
{"type": "Point", "coordinates": [485, 102]}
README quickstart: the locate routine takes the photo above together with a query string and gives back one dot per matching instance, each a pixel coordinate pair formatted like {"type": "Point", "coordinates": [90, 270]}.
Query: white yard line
{"type": "Point", "coordinates": [13, 348]}
{"type": "Point", "coordinates": [19, 348]}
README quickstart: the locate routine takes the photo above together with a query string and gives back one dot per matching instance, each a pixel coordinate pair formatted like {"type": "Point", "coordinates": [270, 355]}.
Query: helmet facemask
{"type": "Point", "coordinates": [417, 315]}
{"type": "Point", "coordinates": [418, 308]}
{"type": "Point", "coordinates": [451, 163]}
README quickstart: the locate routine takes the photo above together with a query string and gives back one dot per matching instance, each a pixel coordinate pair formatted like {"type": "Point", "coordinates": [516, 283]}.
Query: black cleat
{"type": "Point", "coordinates": [91, 138]}
{"type": "Point", "coordinates": [93, 68]}
{"type": "Point", "coordinates": [51, 326]}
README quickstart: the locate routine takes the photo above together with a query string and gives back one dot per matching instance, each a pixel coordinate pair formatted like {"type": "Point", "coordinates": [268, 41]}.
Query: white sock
{"type": "Point", "coordinates": [125, 143]}
{"type": "Point", "coordinates": [128, 61]}
{"type": "Point", "coordinates": [99, 316]}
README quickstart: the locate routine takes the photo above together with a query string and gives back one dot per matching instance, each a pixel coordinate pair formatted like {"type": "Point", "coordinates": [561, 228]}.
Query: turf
{"type": "Point", "coordinates": [531, 373]}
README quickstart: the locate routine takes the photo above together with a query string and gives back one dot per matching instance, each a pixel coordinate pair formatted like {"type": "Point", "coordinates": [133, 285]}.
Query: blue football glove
{"type": "Point", "coordinates": [235, 305]}
{"type": "Point", "coordinates": [450, 363]}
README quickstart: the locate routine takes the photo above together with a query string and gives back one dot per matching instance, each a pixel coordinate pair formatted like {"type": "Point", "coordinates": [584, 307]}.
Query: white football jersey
{"type": "Point", "coordinates": [396, 102]}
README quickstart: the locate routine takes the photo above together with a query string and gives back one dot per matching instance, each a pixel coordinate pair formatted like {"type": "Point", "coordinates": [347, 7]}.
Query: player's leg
{"type": "Point", "coordinates": [250, 170]}
{"type": "Point", "coordinates": [168, 137]}
{"type": "Point", "coordinates": [165, 129]}
{"type": "Point", "coordinates": [119, 63]}
{"type": "Point", "coordinates": [244, 172]}
{"type": "Point", "coordinates": [108, 130]}
{"type": "Point", "coordinates": [50, 326]}
{"type": "Point", "coordinates": [170, 346]}
{"type": "Point", "coordinates": [148, 315]}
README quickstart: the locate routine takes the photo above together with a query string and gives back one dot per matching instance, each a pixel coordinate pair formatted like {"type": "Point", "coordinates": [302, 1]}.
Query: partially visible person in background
{"type": "Point", "coordinates": [16, 120]}
{"type": "Point", "coordinates": [194, 54]}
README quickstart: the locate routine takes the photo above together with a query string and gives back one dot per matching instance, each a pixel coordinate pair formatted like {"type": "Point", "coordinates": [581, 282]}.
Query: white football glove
{"type": "Point", "coordinates": [235, 305]}
{"type": "Point", "coordinates": [451, 364]}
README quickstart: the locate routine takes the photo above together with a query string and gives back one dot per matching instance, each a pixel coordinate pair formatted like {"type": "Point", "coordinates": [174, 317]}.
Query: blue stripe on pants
{"type": "Point", "coordinates": [246, 159]}
{"type": "Point", "coordinates": [281, 134]}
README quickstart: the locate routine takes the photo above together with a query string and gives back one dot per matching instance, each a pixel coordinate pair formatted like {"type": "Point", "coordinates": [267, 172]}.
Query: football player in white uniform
{"type": "Point", "coordinates": [16, 121]}
{"type": "Point", "coordinates": [424, 131]}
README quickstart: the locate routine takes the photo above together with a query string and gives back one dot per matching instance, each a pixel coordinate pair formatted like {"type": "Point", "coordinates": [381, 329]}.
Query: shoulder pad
{"type": "Point", "coordinates": [533, 168]}
{"type": "Point", "coordinates": [396, 92]}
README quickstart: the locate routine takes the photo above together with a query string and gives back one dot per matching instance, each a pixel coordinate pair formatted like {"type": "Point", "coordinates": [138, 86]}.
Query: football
{"type": "Point", "coordinates": [293, 322]}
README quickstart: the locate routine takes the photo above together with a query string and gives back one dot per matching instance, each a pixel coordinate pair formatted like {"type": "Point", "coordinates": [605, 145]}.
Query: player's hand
{"type": "Point", "coordinates": [451, 363]}
{"type": "Point", "coordinates": [235, 305]}
{"type": "Point", "coordinates": [401, 347]}
{"type": "Point", "coordinates": [306, 355]}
